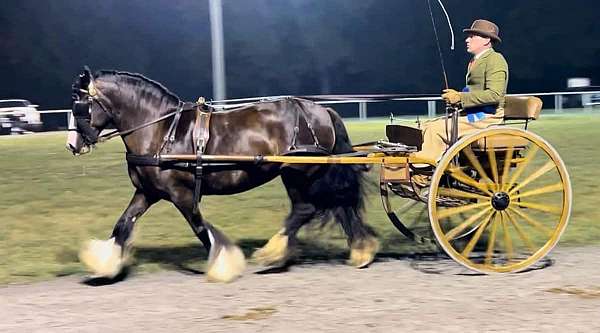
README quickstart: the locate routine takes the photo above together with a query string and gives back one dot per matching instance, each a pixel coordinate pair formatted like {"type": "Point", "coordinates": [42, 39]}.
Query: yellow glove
{"type": "Point", "coordinates": [451, 96]}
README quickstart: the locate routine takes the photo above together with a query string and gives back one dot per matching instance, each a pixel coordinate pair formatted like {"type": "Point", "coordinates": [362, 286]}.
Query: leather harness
{"type": "Point", "coordinates": [201, 137]}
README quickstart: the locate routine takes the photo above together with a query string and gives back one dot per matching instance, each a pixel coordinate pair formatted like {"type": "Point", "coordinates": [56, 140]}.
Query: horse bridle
{"type": "Point", "coordinates": [81, 110]}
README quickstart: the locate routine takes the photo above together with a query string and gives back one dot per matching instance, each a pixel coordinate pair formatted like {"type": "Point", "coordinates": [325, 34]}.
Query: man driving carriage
{"type": "Point", "coordinates": [481, 102]}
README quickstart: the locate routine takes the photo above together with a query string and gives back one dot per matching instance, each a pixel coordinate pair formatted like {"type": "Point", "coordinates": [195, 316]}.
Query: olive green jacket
{"type": "Point", "coordinates": [487, 80]}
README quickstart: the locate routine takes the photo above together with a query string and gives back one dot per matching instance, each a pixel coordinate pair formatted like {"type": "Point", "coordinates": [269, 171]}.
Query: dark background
{"type": "Point", "coordinates": [288, 46]}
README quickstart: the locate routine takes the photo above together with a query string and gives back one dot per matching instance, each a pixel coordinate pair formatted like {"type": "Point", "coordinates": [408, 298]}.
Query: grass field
{"type": "Point", "coordinates": [50, 202]}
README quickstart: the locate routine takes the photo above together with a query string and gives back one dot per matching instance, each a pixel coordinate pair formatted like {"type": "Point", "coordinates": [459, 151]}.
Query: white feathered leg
{"type": "Point", "coordinates": [225, 263]}
{"type": "Point", "coordinates": [102, 258]}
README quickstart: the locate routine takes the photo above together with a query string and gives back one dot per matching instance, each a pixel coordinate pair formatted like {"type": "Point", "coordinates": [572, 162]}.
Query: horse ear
{"type": "Point", "coordinates": [85, 77]}
{"type": "Point", "coordinates": [87, 71]}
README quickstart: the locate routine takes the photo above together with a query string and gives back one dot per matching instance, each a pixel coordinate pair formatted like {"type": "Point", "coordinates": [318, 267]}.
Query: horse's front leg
{"type": "Point", "coordinates": [107, 258]}
{"type": "Point", "coordinates": [226, 260]}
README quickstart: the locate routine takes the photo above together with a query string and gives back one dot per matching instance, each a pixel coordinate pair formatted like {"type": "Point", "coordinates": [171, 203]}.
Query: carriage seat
{"type": "Point", "coordinates": [521, 108]}
{"type": "Point", "coordinates": [407, 135]}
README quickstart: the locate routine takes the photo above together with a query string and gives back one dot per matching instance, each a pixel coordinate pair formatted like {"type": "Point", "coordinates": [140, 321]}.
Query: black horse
{"type": "Point", "coordinates": [144, 112]}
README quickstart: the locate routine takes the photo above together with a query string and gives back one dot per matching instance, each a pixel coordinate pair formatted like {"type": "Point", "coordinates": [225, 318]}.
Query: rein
{"type": "Point", "coordinates": [182, 107]}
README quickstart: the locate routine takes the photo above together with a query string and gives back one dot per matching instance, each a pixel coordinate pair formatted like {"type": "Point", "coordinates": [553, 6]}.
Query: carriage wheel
{"type": "Point", "coordinates": [516, 200]}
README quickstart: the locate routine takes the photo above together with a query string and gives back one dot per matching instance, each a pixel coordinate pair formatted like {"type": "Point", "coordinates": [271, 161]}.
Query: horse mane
{"type": "Point", "coordinates": [138, 80]}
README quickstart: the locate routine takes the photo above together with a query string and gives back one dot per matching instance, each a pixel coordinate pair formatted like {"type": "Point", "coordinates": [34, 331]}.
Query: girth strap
{"type": "Point", "coordinates": [201, 135]}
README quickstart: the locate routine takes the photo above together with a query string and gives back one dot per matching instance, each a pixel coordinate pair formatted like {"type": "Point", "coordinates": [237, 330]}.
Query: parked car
{"type": "Point", "coordinates": [18, 116]}
{"type": "Point", "coordinates": [594, 100]}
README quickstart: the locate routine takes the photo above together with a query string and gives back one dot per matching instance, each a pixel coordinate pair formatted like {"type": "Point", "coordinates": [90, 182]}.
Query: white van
{"type": "Point", "coordinates": [19, 115]}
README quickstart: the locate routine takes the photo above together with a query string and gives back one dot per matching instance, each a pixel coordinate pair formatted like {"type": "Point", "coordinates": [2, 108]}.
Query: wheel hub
{"type": "Point", "coordinates": [500, 200]}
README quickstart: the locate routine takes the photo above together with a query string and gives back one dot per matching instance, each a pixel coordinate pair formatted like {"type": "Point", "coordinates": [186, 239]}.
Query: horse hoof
{"type": "Point", "coordinates": [274, 253]}
{"type": "Point", "coordinates": [102, 258]}
{"type": "Point", "coordinates": [362, 253]}
{"type": "Point", "coordinates": [228, 265]}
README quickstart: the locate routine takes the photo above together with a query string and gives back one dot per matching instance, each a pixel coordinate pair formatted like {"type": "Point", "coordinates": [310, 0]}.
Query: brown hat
{"type": "Point", "coordinates": [484, 28]}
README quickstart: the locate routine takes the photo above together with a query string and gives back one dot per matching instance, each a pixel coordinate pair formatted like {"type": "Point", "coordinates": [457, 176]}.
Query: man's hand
{"type": "Point", "coordinates": [451, 96]}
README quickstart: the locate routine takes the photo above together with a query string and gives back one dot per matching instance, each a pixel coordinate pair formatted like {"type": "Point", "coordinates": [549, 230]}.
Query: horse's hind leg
{"type": "Point", "coordinates": [107, 258]}
{"type": "Point", "coordinates": [334, 189]}
{"type": "Point", "coordinates": [361, 238]}
{"type": "Point", "coordinates": [280, 247]}
{"type": "Point", "coordinates": [339, 191]}
{"type": "Point", "coordinates": [226, 260]}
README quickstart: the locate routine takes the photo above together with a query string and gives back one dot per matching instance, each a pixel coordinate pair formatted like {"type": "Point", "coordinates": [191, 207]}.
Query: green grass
{"type": "Point", "coordinates": [50, 202]}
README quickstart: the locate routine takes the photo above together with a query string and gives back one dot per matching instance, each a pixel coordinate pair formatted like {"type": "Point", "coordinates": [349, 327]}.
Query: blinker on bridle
{"type": "Point", "coordinates": [82, 112]}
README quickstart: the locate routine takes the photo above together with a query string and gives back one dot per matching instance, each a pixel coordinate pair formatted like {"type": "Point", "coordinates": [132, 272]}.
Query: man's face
{"type": "Point", "coordinates": [476, 43]}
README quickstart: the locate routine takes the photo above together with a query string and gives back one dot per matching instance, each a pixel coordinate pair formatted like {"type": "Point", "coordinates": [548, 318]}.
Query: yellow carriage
{"type": "Point", "coordinates": [498, 200]}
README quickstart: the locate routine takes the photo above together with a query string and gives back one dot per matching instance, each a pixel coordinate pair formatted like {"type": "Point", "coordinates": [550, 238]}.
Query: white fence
{"type": "Point", "coordinates": [587, 102]}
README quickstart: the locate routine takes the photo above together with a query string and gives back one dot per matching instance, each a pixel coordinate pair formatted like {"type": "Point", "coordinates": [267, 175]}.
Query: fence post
{"type": "Point", "coordinates": [586, 102]}
{"type": "Point", "coordinates": [431, 109]}
{"type": "Point", "coordinates": [362, 110]}
{"type": "Point", "coordinates": [558, 103]}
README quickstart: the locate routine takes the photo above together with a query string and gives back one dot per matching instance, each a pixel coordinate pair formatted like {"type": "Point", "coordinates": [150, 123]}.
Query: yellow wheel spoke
{"type": "Point", "coordinates": [454, 193]}
{"type": "Point", "coordinates": [493, 165]}
{"type": "Point", "coordinates": [456, 230]}
{"type": "Point", "coordinates": [475, 163]}
{"type": "Point", "coordinates": [507, 239]}
{"type": "Point", "coordinates": [549, 166]}
{"type": "Point", "coordinates": [540, 207]}
{"type": "Point", "coordinates": [465, 253]}
{"type": "Point", "coordinates": [461, 209]}
{"type": "Point", "coordinates": [506, 169]}
{"type": "Point", "coordinates": [459, 175]}
{"type": "Point", "coordinates": [533, 222]}
{"type": "Point", "coordinates": [542, 190]}
{"type": "Point", "coordinates": [491, 241]}
{"type": "Point", "coordinates": [520, 232]}
{"type": "Point", "coordinates": [523, 165]}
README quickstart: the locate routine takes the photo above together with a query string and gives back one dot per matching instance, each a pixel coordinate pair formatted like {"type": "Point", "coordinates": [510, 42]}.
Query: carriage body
{"type": "Point", "coordinates": [498, 200]}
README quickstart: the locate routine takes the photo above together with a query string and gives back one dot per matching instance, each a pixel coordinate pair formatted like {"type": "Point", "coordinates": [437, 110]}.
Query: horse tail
{"type": "Point", "coordinates": [339, 192]}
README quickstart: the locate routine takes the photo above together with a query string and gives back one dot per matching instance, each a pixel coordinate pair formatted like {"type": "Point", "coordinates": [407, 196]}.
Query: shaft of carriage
{"type": "Point", "coordinates": [373, 158]}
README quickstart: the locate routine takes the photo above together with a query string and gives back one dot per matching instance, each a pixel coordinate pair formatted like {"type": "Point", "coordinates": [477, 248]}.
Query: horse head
{"type": "Point", "coordinates": [127, 101]}
{"type": "Point", "coordinates": [90, 114]}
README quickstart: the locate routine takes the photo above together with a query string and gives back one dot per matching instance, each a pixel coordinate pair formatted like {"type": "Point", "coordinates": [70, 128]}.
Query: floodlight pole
{"type": "Point", "coordinates": [218, 53]}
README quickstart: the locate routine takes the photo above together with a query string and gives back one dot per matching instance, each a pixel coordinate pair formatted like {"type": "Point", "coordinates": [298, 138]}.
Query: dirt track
{"type": "Point", "coordinates": [390, 296]}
